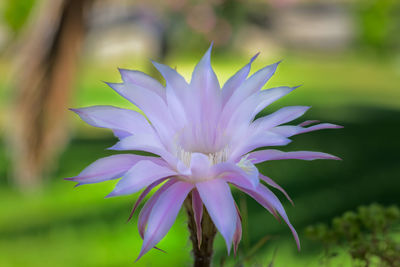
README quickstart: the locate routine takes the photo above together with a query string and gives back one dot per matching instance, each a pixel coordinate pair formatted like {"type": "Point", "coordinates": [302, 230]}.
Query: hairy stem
{"type": "Point", "coordinates": [203, 254]}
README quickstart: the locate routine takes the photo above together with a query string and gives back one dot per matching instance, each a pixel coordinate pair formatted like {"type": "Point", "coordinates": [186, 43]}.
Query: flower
{"type": "Point", "coordinates": [203, 139]}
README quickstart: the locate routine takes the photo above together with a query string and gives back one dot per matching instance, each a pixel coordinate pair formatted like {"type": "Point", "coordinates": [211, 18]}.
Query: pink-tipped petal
{"type": "Point", "coordinates": [197, 205]}
{"type": "Point", "coordinates": [163, 214]}
{"type": "Point", "coordinates": [290, 130]}
{"type": "Point", "coordinates": [217, 198]}
{"type": "Point", "coordinates": [273, 154]}
{"type": "Point", "coordinates": [309, 122]}
{"type": "Point", "coordinates": [139, 176]}
{"type": "Point", "coordinates": [321, 126]}
{"type": "Point", "coordinates": [109, 168]}
{"type": "Point", "coordinates": [272, 183]}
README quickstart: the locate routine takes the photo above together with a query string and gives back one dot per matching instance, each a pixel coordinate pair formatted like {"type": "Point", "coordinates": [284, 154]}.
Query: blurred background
{"type": "Point", "coordinates": [55, 54]}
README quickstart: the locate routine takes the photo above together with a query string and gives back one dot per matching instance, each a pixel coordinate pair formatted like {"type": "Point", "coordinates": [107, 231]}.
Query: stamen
{"type": "Point", "coordinates": [245, 164]}
{"type": "Point", "coordinates": [214, 158]}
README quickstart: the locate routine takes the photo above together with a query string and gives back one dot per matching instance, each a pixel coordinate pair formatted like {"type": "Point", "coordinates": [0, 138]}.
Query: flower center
{"type": "Point", "coordinates": [214, 158]}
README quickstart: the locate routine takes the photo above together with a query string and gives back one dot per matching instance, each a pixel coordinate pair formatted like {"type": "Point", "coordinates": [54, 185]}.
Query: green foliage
{"type": "Point", "coordinates": [366, 233]}
{"type": "Point", "coordinates": [16, 13]}
{"type": "Point", "coordinates": [379, 23]}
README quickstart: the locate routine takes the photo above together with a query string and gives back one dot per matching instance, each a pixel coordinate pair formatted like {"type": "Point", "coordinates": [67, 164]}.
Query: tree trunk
{"type": "Point", "coordinates": [42, 83]}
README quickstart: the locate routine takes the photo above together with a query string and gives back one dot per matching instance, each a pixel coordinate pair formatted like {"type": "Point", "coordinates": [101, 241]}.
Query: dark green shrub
{"type": "Point", "coordinates": [367, 235]}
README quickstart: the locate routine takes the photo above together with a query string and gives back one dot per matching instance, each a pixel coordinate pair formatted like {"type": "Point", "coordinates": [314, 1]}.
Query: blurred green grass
{"type": "Point", "coordinates": [78, 227]}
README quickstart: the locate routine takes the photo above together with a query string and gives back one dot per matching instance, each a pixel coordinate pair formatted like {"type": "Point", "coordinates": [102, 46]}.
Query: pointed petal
{"type": "Point", "coordinates": [241, 116]}
{"type": "Point", "coordinates": [146, 210]}
{"type": "Point", "coordinates": [249, 87]}
{"type": "Point", "coordinates": [206, 109]}
{"type": "Point", "coordinates": [204, 78]}
{"type": "Point", "coordinates": [290, 130]}
{"type": "Point", "coordinates": [217, 198]}
{"type": "Point", "coordinates": [243, 113]}
{"type": "Point", "coordinates": [172, 77]}
{"type": "Point", "coordinates": [267, 97]}
{"type": "Point", "coordinates": [143, 80]}
{"type": "Point", "coordinates": [152, 105]}
{"type": "Point", "coordinates": [109, 168]}
{"type": "Point", "coordinates": [321, 126]}
{"type": "Point", "coordinates": [121, 121]}
{"type": "Point", "coordinates": [163, 214]}
{"type": "Point", "coordinates": [256, 81]}
{"type": "Point", "coordinates": [272, 183]}
{"type": "Point", "coordinates": [176, 108]}
{"type": "Point", "coordinates": [234, 174]}
{"type": "Point", "coordinates": [286, 130]}
{"type": "Point", "coordinates": [197, 205]}
{"type": "Point", "coordinates": [138, 140]}
{"type": "Point", "coordinates": [268, 200]}
{"type": "Point", "coordinates": [143, 195]}
{"type": "Point", "coordinates": [268, 196]}
{"type": "Point", "coordinates": [177, 90]}
{"type": "Point", "coordinates": [306, 123]}
{"type": "Point", "coordinates": [147, 143]}
{"type": "Point", "coordinates": [281, 116]}
{"type": "Point", "coordinates": [139, 176]}
{"type": "Point", "coordinates": [268, 206]}
{"type": "Point", "coordinates": [235, 81]}
{"type": "Point", "coordinates": [273, 154]}
{"type": "Point", "coordinates": [259, 140]}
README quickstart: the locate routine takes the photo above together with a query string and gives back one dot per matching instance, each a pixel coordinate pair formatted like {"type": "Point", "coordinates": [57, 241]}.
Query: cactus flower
{"type": "Point", "coordinates": [202, 139]}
